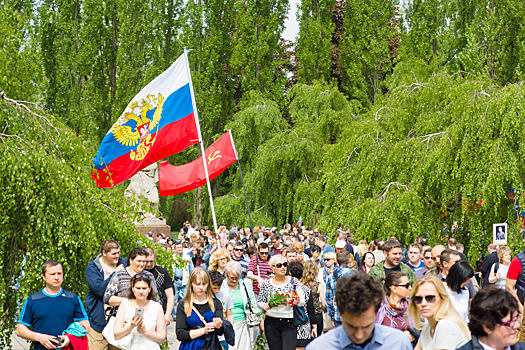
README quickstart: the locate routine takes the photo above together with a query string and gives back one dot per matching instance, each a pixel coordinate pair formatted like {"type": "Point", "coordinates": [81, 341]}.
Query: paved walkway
{"type": "Point", "coordinates": [21, 344]}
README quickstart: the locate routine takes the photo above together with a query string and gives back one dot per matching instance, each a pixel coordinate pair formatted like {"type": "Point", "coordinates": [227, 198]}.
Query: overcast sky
{"type": "Point", "coordinates": [291, 25]}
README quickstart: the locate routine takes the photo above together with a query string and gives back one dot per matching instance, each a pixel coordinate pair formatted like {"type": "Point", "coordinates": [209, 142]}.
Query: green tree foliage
{"type": "Point", "coordinates": [368, 47]}
{"type": "Point", "coordinates": [259, 26]}
{"type": "Point", "coordinates": [282, 182]}
{"type": "Point", "coordinates": [494, 45]}
{"type": "Point", "coordinates": [20, 74]}
{"type": "Point", "coordinates": [430, 153]}
{"type": "Point", "coordinates": [314, 43]}
{"type": "Point", "coordinates": [50, 208]}
{"type": "Point", "coordinates": [425, 20]}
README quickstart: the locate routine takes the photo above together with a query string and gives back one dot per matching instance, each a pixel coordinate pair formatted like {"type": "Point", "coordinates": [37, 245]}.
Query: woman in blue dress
{"type": "Point", "coordinates": [199, 313]}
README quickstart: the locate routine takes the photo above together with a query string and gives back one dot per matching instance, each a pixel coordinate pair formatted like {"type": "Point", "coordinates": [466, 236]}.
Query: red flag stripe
{"type": "Point", "coordinates": [179, 179]}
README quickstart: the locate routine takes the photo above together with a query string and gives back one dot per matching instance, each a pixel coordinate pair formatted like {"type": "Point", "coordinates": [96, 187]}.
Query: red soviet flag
{"type": "Point", "coordinates": [183, 178]}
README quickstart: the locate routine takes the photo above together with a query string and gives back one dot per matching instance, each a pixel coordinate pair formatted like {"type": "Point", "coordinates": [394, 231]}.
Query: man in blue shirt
{"type": "Point", "coordinates": [325, 248]}
{"type": "Point", "coordinates": [358, 298]}
{"type": "Point", "coordinates": [98, 274]}
{"type": "Point", "coordinates": [50, 311]}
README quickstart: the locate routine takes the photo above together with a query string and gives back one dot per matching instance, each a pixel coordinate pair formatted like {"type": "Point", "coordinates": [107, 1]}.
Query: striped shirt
{"type": "Point", "coordinates": [244, 265]}
{"type": "Point", "coordinates": [257, 265]}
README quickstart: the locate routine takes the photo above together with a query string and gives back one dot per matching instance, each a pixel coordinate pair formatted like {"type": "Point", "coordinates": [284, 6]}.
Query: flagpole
{"type": "Point", "coordinates": [200, 141]}
{"type": "Point", "coordinates": [245, 196]}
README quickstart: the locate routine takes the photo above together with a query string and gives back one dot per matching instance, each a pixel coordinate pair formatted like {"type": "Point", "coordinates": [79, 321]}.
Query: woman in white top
{"type": "Point", "coordinates": [149, 330]}
{"type": "Point", "coordinates": [444, 328]}
{"type": "Point", "coordinates": [458, 277]}
{"type": "Point", "coordinates": [498, 271]}
{"type": "Point", "coordinates": [279, 319]}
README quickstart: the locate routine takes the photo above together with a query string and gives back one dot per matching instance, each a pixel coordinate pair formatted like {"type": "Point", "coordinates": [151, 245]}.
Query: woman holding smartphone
{"type": "Point", "coordinates": [199, 313]}
{"type": "Point", "coordinates": [141, 316]}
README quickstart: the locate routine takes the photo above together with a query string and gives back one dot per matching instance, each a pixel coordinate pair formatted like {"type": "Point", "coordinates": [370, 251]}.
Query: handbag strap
{"type": "Point", "coordinates": [247, 294]}
{"type": "Point", "coordinates": [199, 314]}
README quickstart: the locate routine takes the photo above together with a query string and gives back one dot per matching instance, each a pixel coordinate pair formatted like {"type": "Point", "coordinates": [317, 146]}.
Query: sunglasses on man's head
{"type": "Point", "coordinates": [431, 299]}
{"type": "Point", "coordinates": [239, 249]}
{"type": "Point", "coordinates": [279, 265]}
{"type": "Point", "coordinates": [263, 253]}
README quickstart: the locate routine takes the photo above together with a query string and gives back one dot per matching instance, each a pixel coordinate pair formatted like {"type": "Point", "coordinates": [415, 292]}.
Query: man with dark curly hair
{"type": "Point", "coordinates": [358, 298]}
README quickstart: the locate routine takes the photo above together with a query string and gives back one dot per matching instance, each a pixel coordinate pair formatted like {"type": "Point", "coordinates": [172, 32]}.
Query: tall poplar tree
{"type": "Point", "coordinates": [314, 43]}
{"type": "Point", "coordinates": [259, 26]}
{"type": "Point", "coordinates": [371, 27]}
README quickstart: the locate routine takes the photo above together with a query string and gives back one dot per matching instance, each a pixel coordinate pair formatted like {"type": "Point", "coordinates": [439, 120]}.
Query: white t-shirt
{"type": "Point", "coordinates": [447, 336]}
{"type": "Point", "coordinates": [502, 269]}
{"type": "Point", "coordinates": [227, 304]}
{"type": "Point", "coordinates": [460, 302]}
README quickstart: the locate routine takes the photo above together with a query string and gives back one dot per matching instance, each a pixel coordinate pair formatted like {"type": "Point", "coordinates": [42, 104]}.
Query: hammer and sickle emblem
{"type": "Point", "coordinates": [214, 156]}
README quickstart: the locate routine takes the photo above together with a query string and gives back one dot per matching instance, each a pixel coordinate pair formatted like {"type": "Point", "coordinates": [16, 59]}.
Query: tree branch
{"type": "Point", "coordinates": [383, 195]}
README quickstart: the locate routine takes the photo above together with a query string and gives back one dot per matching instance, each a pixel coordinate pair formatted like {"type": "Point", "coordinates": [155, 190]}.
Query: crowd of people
{"type": "Point", "coordinates": [290, 285]}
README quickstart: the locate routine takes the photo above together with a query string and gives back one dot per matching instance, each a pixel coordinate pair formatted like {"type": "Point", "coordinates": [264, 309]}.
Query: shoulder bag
{"type": "Point", "coordinates": [212, 341]}
{"type": "Point", "coordinates": [252, 319]}
{"type": "Point", "coordinates": [299, 313]}
{"type": "Point", "coordinates": [109, 331]}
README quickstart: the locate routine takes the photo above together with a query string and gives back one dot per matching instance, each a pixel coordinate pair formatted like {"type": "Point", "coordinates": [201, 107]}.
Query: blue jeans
{"type": "Point", "coordinates": [179, 291]}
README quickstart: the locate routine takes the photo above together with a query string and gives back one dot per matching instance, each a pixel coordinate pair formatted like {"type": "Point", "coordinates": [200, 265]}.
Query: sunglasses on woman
{"type": "Point", "coordinates": [141, 275]}
{"type": "Point", "coordinates": [403, 285]}
{"type": "Point", "coordinates": [431, 299]}
{"type": "Point", "coordinates": [279, 265]}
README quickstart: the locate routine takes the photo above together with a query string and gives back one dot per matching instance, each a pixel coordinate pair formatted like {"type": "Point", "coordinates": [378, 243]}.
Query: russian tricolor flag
{"type": "Point", "coordinates": [157, 123]}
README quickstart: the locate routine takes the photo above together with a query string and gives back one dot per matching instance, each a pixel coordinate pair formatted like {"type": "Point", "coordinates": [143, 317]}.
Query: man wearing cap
{"type": "Point", "coordinates": [339, 246]}
{"type": "Point", "coordinates": [348, 246]}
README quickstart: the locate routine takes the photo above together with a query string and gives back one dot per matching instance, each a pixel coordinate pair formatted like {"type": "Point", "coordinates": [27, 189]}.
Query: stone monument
{"type": "Point", "coordinates": [144, 183]}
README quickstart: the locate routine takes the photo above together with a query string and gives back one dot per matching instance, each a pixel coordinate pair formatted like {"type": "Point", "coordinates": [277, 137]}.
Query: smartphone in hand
{"type": "Point", "coordinates": [59, 341]}
{"type": "Point", "coordinates": [139, 312]}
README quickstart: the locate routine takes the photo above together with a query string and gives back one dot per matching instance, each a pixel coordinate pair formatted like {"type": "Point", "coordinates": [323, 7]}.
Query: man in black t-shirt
{"type": "Point", "coordinates": [164, 284]}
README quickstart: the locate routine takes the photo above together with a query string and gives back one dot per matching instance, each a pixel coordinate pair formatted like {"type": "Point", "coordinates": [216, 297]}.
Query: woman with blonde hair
{"type": "Point", "coordinates": [362, 248]}
{"type": "Point", "coordinates": [218, 261]}
{"type": "Point", "coordinates": [498, 271]}
{"type": "Point", "coordinates": [299, 248]}
{"type": "Point", "coordinates": [309, 279]}
{"type": "Point", "coordinates": [199, 313]}
{"type": "Point", "coordinates": [444, 328]}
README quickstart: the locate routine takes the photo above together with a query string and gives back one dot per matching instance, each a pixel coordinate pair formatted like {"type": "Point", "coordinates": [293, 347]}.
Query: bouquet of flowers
{"type": "Point", "coordinates": [277, 299]}
{"type": "Point", "coordinates": [166, 345]}
{"type": "Point", "coordinates": [260, 343]}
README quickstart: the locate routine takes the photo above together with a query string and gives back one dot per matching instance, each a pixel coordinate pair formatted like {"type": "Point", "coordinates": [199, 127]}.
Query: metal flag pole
{"type": "Point", "coordinates": [246, 198]}
{"type": "Point", "coordinates": [200, 140]}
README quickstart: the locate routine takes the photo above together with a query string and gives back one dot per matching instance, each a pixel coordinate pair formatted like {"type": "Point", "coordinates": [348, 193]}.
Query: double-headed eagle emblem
{"type": "Point", "coordinates": [132, 129]}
